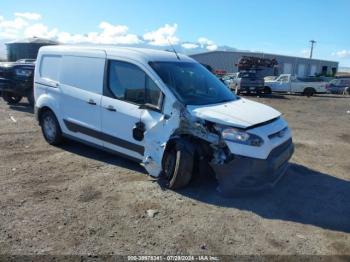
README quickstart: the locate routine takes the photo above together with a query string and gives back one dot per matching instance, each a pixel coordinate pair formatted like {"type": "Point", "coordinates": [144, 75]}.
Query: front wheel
{"type": "Point", "coordinates": [50, 128]}
{"type": "Point", "coordinates": [11, 98]}
{"type": "Point", "coordinates": [178, 164]}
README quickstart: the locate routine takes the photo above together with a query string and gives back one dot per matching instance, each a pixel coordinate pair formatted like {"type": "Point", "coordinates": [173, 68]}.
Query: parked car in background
{"type": "Point", "coordinates": [163, 110]}
{"type": "Point", "coordinates": [339, 86]}
{"type": "Point", "coordinates": [247, 82]}
{"type": "Point", "coordinates": [16, 81]}
{"type": "Point", "coordinates": [270, 78]}
{"type": "Point", "coordinates": [229, 79]}
{"type": "Point", "coordinates": [286, 83]}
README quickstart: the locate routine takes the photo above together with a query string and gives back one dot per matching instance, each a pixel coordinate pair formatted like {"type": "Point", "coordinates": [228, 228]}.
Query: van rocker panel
{"type": "Point", "coordinates": [73, 127]}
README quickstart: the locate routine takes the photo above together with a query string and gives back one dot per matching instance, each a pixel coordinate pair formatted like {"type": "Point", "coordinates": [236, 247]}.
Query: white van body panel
{"type": "Point", "coordinates": [269, 144]}
{"type": "Point", "coordinates": [81, 83]}
{"type": "Point", "coordinates": [241, 113]}
{"type": "Point", "coordinates": [76, 97]}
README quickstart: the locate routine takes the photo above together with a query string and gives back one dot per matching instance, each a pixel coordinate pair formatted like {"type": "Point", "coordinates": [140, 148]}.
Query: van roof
{"type": "Point", "coordinates": [143, 54]}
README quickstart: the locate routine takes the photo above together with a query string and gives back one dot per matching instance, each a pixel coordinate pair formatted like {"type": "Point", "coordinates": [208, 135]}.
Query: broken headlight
{"type": "Point", "coordinates": [241, 137]}
{"type": "Point", "coordinates": [23, 72]}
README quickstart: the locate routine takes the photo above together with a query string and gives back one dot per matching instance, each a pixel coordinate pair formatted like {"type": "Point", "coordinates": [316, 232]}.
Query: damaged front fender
{"type": "Point", "coordinates": [178, 123]}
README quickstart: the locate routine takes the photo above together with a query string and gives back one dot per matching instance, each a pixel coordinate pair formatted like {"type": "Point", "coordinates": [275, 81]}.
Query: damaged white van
{"type": "Point", "coordinates": [163, 110]}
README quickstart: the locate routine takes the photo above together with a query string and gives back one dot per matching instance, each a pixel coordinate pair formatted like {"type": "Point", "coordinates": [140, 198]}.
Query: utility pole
{"type": "Point", "coordinates": [312, 47]}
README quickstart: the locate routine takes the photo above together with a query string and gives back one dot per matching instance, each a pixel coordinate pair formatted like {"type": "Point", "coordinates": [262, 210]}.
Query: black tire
{"type": "Point", "coordinates": [347, 91]}
{"type": "Point", "coordinates": [309, 91]}
{"type": "Point", "coordinates": [178, 164]}
{"type": "Point", "coordinates": [30, 97]}
{"type": "Point", "coordinates": [11, 98]}
{"type": "Point", "coordinates": [50, 128]}
{"type": "Point", "coordinates": [267, 90]}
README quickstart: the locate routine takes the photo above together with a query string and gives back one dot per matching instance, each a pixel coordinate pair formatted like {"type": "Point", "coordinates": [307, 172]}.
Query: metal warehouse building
{"type": "Point", "coordinates": [228, 60]}
{"type": "Point", "coordinates": [26, 48]}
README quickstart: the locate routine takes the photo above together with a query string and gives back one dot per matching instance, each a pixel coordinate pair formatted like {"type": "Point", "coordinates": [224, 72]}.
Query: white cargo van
{"type": "Point", "coordinates": [163, 110]}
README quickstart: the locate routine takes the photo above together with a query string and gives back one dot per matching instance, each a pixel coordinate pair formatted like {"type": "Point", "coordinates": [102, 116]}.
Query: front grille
{"type": "Point", "coordinates": [281, 148]}
{"type": "Point", "coordinates": [279, 134]}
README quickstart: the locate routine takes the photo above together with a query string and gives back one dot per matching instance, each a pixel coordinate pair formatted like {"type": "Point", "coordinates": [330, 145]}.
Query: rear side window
{"type": "Point", "coordinates": [50, 67]}
{"type": "Point", "coordinates": [83, 72]}
{"type": "Point", "coordinates": [129, 83]}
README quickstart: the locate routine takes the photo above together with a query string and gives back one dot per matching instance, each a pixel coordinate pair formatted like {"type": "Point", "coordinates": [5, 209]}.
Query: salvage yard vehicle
{"type": "Point", "coordinates": [247, 82]}
{"type": "Point", "coordinates": [16, 81]}
{"type": "Point", "coordinates": [339, 86]}
{"type": "Point", "coordinates": [286, 83]}
{"type": "Point", "coordinates": [161, 109]}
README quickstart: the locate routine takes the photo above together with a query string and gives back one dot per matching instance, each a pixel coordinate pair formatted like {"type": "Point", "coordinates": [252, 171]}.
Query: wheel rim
{"type": "Point", "coordinates": [49, 127]}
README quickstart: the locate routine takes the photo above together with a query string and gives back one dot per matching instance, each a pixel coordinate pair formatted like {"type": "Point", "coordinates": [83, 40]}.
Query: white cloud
{"type": "Point", "coordinates": [203, 41]}
{"type": "Point", "coordinates": [40, 30]}
{"type": "Point", "coordinates": [17, 23]}
{"type": "Point", "coordinates": [112, 30]}
{"type": "Point", "coordinates": [110, 34]}
{"type": "Point", "coordinates": [25, 25]}
{"type": "Point", "coordinates": [212, 47]}
{"type": "Point", "coordinates": [342, 53]}
{"type": "Point", "coordinates": [189, 45]}
{"type": "Point", "coordinates": [29, 16]}
{"type": "Point", "coordinates": [162, 36]}
{"type": "Point", "coordinates": [11, 29]}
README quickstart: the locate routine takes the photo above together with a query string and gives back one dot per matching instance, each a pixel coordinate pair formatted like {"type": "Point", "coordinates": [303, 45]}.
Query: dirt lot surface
{"type": "Point", "coordinates": [77, 200]}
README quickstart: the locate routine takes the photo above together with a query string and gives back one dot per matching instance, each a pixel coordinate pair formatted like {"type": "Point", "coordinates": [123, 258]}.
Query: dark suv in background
{"type": "Point", "coordinates": [16, 81]}
{"type": "Point", "coordinates": [249, 82]}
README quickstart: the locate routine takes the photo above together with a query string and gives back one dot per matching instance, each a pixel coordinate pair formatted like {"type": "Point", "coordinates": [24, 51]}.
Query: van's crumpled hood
{"type": "Point", "coordinates": [241, 113]}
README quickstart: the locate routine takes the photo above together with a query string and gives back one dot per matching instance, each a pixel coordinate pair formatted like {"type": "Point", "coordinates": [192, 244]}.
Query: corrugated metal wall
{"type": "Point", "coordinates": [16, 51]}
{"type": "Point", "coordinates": [227, 60]}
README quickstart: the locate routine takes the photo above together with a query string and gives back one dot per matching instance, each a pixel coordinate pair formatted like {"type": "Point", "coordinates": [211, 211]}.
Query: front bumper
{"type": "Point", "coordinates": [247, 175]}
{"type": "Point", "coordinates": [251, 88]}
{"type": "Point", "coordinates": [16, 87]}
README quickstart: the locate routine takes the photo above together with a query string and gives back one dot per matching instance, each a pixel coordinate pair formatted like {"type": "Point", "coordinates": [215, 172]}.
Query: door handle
{"type": "Point", "coordinates": [110, 108]}
{"type": "Point", "coordinates": [91, 102]}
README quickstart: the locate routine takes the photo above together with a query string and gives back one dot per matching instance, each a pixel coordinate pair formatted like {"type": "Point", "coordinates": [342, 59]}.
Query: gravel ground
{"type": "Point", "coordinates": [77, 200]}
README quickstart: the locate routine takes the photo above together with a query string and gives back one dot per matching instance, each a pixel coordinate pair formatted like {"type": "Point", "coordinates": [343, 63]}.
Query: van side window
{"type": "Point", "coordinates": [129, 83]}
{"type": "Point", "coordinates": [50, 67]}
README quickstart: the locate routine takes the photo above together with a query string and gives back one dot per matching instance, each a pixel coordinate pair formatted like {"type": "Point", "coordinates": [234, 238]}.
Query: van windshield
{"type": "Point", "coordinates": [192, 84]}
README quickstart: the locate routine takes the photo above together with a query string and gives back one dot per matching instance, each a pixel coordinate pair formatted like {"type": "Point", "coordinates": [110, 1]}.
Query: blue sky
{"type": "Point", "coordinates": [283, 27]}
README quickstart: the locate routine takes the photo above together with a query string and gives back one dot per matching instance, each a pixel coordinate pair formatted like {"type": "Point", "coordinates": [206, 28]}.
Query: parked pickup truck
{"type": "Point", "coordinates": [247, 82]}
{"type": "Point", "coordinates": [287, 83]}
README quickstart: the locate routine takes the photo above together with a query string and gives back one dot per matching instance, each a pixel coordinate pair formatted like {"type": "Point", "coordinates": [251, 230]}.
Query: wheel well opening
{"type": "Point", "coordinates": [41, 111]}
{"type": "Point", "coordinates": [202, 150]}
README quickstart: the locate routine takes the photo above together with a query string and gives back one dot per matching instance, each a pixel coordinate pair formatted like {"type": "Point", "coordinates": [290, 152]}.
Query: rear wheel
{"type": "Point", "coordinates": [267, 90]}
{"type": "Point", "coordinates": [178, 165]}
{"type": "Point", "coordinates": [11, 98]}
{"type": "Point", "coordinates": [347, 91]}
{"type": "Point", "coordinates": [50, 128]}
{"type": "Point", "coordinates": [30, 97]}
{"type": "Point", "coordinates": [309, 91]}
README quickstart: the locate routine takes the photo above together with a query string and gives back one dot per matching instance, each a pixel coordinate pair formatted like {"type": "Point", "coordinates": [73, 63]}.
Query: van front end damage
{"type": "Point", "coordinates": [235, 172]}
{"type": "Point", "coordinates": [243, 174]}
{"type": "Point", "coordinates": [177, 124]}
